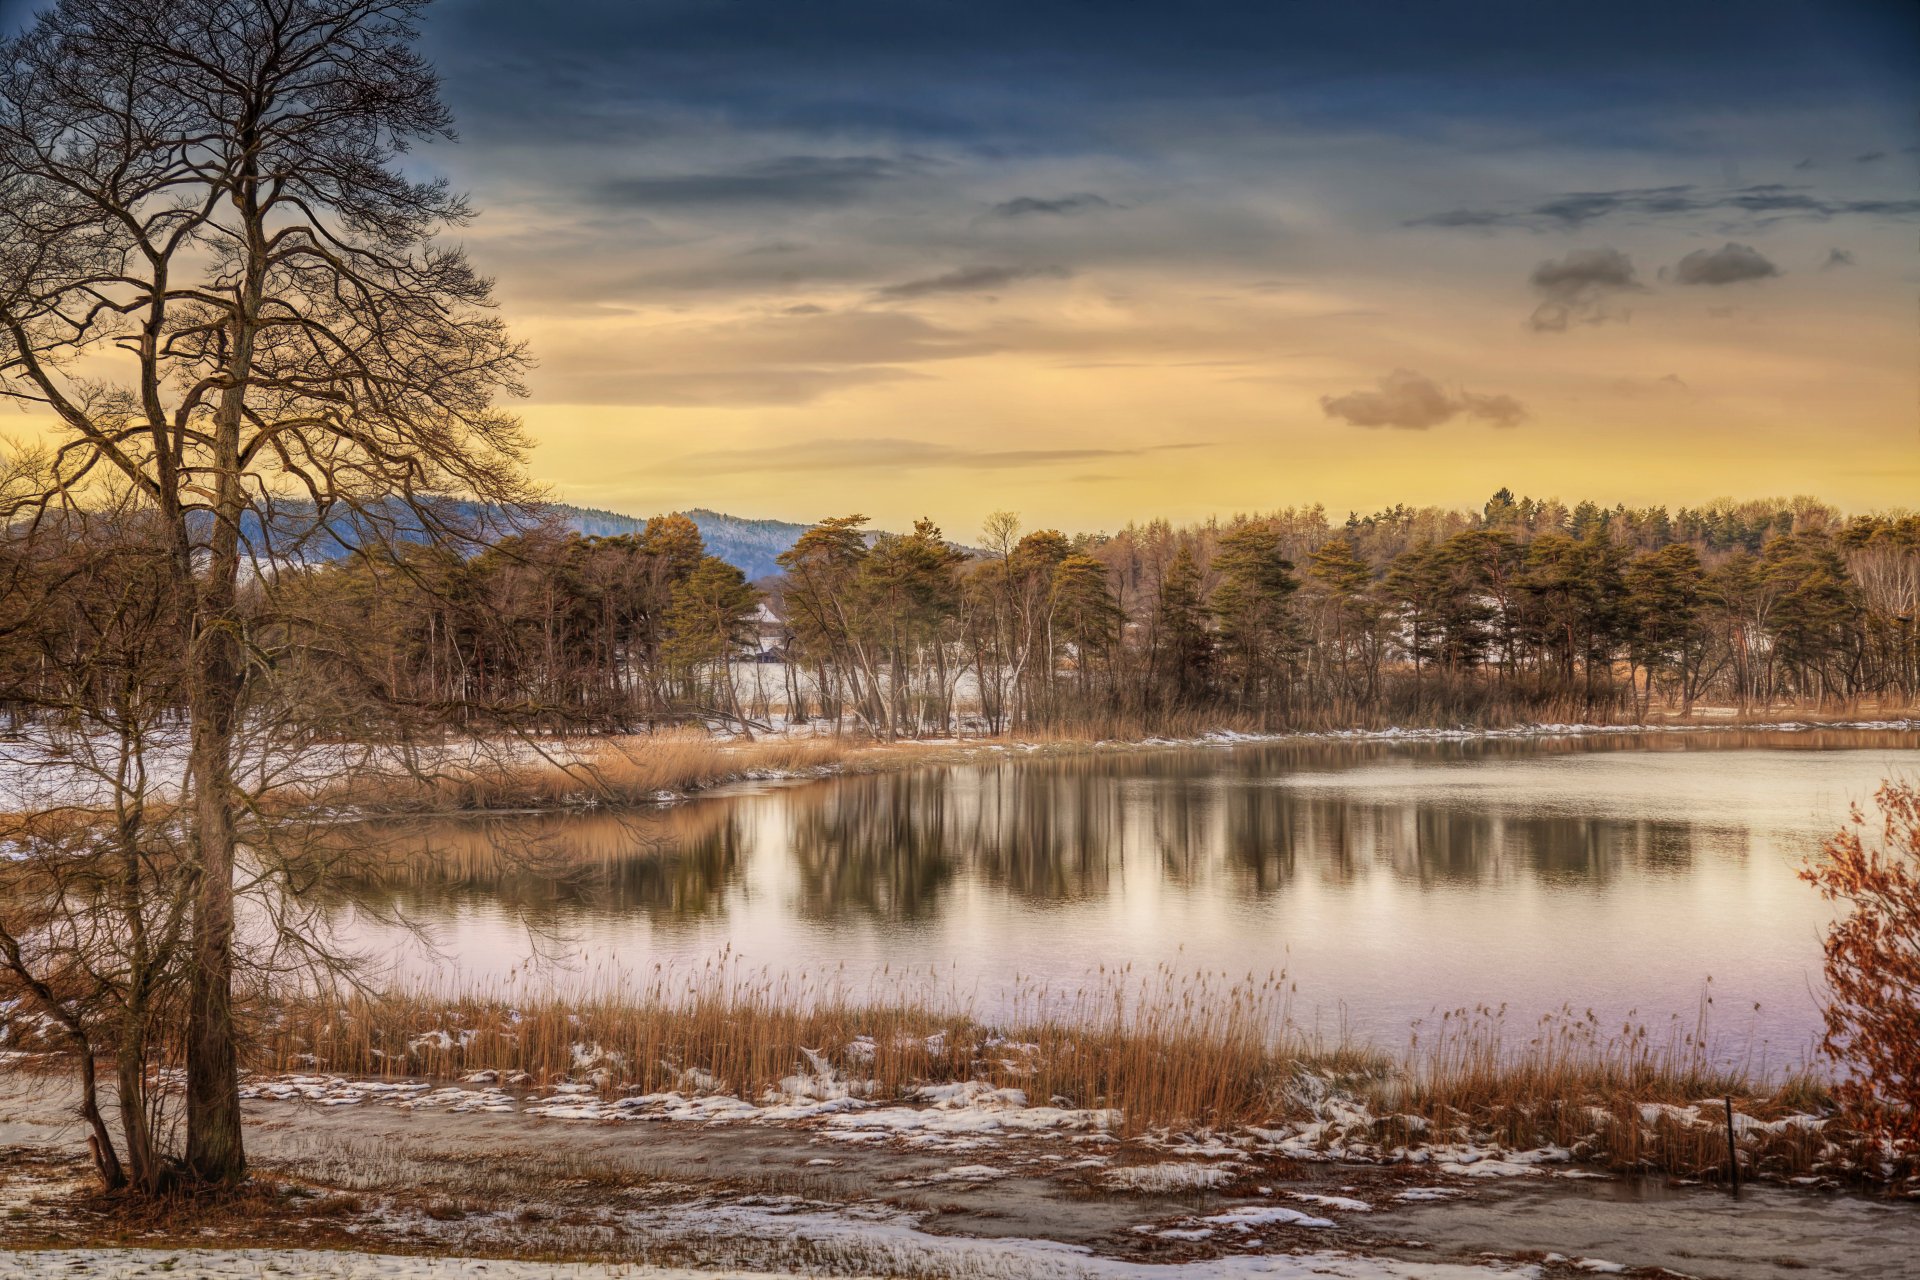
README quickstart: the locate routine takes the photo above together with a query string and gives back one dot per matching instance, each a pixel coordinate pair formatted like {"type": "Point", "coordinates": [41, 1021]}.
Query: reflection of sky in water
{"type": "Point", "coordinates": [1389, 881]}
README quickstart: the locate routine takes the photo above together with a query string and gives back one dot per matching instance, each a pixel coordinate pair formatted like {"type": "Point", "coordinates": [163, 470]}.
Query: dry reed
{"type": "Point", "coordinates": [1170, 1051]}
{"type": "Point", "coordinates": [623, 770]}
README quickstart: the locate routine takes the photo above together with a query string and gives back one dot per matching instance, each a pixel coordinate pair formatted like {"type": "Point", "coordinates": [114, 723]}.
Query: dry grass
{"type": "Point", "coordinates": [1169, 1051]}
{"type": "Point", "coordinates": [1577, 1084]}
{"type": "Point", "coordinates": [626, 770]}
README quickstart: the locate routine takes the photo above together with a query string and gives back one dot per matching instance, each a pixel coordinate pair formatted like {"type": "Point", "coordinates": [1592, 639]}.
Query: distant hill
{"type": "Point", "coordinates": [748, 545]}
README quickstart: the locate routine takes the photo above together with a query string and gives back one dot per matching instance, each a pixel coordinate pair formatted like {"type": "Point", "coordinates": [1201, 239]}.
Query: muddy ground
{"type": "Point", "coordinates": [379, 1178]}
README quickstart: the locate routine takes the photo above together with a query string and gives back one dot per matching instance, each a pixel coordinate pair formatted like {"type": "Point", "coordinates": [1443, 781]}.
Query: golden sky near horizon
{"type": "Point", "coordinates": [1130, 391]}
{"type": "Point", "coordinates": [1085, 403]}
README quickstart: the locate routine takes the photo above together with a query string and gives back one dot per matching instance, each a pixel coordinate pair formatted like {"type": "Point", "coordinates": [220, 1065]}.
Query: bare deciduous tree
{"type": "Point", "coordinates": [223, 289]}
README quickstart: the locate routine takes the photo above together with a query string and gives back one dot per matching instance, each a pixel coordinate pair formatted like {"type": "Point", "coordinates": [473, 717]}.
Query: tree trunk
{"type": "Point", "coordinates": [99, 1142]}
{"type": "Point", "coordinates": [215, 1151]}
{"type": "Point", "coordinates": [130, 1085]}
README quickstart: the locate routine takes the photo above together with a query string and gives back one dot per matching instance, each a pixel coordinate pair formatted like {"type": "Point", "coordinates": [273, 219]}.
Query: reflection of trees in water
{"type": "Point", "coordinates": [878, 846]}
{"type": "Point", "coordinates": [1262, 838]}
{"type": "Point", "coordinates": [1184, 824]}
{"type": "Point", "coordinates": [1046, 835]}
{"type": "Point", "coordinates": [889, 847]}
{"type": "Point", "coordinates": [1274, 834]}
{"type": "Point", "coordinates": [547, 871]}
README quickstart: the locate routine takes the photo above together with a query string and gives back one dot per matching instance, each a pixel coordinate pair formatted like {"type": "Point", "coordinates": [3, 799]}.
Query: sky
{"type": "Point", "coordinates": [1101, 260]}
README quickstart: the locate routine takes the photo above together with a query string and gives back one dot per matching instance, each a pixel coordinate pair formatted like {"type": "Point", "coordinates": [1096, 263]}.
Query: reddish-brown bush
{"type": "Point", "coordinates": [1873, 967]}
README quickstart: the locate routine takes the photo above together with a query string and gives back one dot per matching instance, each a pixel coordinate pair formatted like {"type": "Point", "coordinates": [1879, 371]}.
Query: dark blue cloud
{"type": "Point", "coordinates": [1760, 204]}
{"type": "Point", "coordinates": [914, 69]}
{"type": "Point", "coordinates": [1729, 264]}
{"type": "Point", "coordinates": [1055, 206]}
{"type": "Point", "coordinates": [783, 180]}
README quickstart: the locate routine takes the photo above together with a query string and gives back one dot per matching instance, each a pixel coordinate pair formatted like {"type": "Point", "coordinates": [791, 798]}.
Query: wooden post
{"type": "Point", "coordinates": [1733, 1151]}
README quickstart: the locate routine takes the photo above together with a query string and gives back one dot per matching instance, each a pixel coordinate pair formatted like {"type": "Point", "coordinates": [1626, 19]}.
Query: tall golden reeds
{"type": "Point", "coordinates": [1168, 1050]}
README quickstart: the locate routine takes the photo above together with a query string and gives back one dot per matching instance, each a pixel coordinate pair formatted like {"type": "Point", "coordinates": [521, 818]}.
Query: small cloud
{"type": "Point", "coordinates": [1729, 264]}
{"type": "Point", "coordinates": [970, 280]}
{"type": "Point", "coordinates": [1805, 164]}
{"type": "Point", "coordinates": [804, 309]}
{"type": "Point", "coordinates": [1414, 402]}
{"type": "Point", "coordinates": [1577, 288]}
{"type": "Point", "coordinates": [1058, 206]}
{"type": "Point", "coordinates": [1870, 157]}
{"type": "Point", "coordinates": [1837, 258]}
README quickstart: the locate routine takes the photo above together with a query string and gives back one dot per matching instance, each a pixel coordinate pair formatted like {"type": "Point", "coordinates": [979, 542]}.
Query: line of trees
{"type": "Point", "coordinates": [1521, 610]}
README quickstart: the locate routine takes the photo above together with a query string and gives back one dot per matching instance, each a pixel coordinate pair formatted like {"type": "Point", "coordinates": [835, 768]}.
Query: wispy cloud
{"type": "Point", "coordinates": [1757, 205]}
{"type": "Point", "coordinates": [981, 279]}
{"type": "Point", "coordinates": [1057, 206]}
{"type": "Point", "coordinates": [1666, 386]}
{"type": "Point", "coordinates": [888, 453]}
{"type": "Point", "coordinates": [798, 180]}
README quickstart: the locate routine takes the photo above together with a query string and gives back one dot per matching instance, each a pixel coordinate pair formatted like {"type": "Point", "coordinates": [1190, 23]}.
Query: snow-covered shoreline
{"type": "Point", "coordinates": [1005, 1259]}
{"type": "Point", "coordinates": [36, 775]}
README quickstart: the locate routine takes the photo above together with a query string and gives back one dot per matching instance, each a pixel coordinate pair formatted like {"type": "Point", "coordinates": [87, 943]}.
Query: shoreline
{"type": "Point", "coordinates": [382, 1189]}
{"type": "Point", "coordinates": [861, 757]}
{"type": "Point", "coordinates": [537, 775]}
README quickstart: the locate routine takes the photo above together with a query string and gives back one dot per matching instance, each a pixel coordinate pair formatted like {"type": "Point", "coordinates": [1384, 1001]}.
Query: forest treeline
{"type": "Point", "coordinates": [1522, 610]}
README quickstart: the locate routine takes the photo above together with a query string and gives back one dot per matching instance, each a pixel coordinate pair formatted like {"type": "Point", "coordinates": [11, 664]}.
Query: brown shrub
{"type": "Point", "coordinates": [1873, 968]}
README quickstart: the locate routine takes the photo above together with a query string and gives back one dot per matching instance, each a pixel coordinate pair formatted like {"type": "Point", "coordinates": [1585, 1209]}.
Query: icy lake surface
{"type": "Point", "coordinates": [1390, 881]}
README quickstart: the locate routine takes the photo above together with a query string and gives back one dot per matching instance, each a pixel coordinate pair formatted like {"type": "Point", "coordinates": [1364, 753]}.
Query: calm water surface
{"type": "Point", "coordinates": [1388, 880]}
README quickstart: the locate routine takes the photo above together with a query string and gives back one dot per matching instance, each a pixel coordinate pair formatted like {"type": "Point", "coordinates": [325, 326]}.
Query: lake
{"type": "Point", "coordinates": [1634, 875]}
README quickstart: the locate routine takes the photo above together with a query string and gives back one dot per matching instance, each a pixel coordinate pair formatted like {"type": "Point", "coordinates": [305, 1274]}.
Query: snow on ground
{"type": "Point", "coordinates": [300, 1264]}
{"type": "Point", "coordinates": [965, 1116]}
{"type": "Point", "coordinates": [1265, 1215]}
{"type": "Point", "coordinates": [303, 1264]}
{"type": "Point", "coordinates": [1170, 1176]}
{"type": "Point", "coordinates": [948, 1116]}
{"type": "Point", "coordinates": [1346, 1204]}
{"type": "Point", "coordinates": [40, 772]}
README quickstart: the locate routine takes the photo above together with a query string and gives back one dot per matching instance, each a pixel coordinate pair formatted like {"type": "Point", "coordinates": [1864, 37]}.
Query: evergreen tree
{"type": "Point", "coordinates": [1184, 660]}
{"type": "Point", "coordinates": [1258, 631]}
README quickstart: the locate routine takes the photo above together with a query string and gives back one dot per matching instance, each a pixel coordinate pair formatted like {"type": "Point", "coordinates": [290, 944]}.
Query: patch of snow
{"type": "Point", "coordinates": [1346, 1204]}
{"type": "Point", "coordinates": [969, 1173]}
{"type": "Point", "coordinates": [1266, 1215]}
{"type": "Point", "coordinates": [1169, 1176]}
